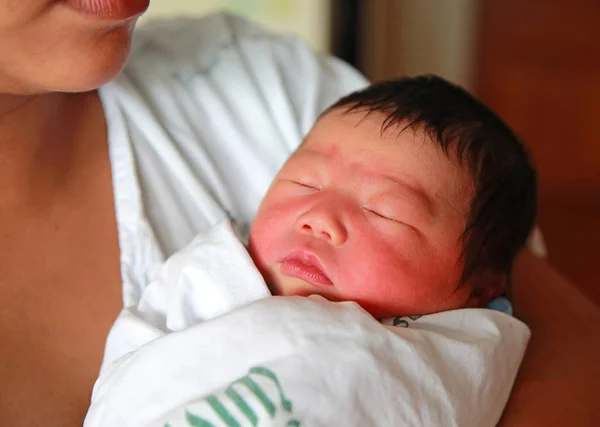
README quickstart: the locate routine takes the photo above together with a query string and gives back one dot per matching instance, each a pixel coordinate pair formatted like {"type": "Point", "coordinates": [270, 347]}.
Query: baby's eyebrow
{"type": "Point", "coordinates": [414, 191]}
{"type": "Point", "coordinates": [312, 152]}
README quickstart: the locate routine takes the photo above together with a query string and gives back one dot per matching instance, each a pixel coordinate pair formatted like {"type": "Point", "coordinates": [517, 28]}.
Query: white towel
{"type": "Point", "coordinates": [205, 346]}
{"type": "Point", "coordinates": [292, 361]}
{"type": "Point", "coordinates": [211, 276]}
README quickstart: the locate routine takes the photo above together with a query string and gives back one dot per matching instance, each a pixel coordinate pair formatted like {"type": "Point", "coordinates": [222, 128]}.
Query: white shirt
{"type": "Point", "coordinates": [204, 115]}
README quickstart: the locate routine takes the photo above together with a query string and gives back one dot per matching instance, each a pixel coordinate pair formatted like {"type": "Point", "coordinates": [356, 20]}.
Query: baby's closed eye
{"type": "Point", "coordinates": [306, 183]}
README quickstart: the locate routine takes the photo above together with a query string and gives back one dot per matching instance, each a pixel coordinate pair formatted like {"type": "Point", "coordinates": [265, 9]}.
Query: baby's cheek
{"type": "Point", "coordinates": [389, 271]}
{"type": "Point", "coordinates": [373, 269]}
{"type": "Point", "coordinates": [269, 221]}
{"type": "Point", "coordinates": [260, 247]}
{"type": "Point", "coordinates": [260, 240]}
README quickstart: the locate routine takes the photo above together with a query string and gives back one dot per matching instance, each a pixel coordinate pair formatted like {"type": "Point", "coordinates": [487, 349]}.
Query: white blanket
{"type": "Point", "coordinates": [295, 361]}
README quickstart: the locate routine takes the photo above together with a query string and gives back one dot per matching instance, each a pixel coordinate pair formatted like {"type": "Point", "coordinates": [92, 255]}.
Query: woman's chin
{"type": "Point", "coordinates": [73, 66]}
{"type": "Point", "coordinates": [91, 67]}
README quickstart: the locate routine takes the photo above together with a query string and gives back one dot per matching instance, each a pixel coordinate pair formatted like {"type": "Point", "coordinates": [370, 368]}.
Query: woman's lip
{"type": "Point", "coordinates": [307, 267]}
{"type": "Point", "coordinates": [109, 10]}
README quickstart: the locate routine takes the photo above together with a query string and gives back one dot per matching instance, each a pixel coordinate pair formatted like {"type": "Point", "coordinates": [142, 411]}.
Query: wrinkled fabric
{"type": "Point", "coordinates": [204, 115]}
{"type": "Point", "coordinates": [202, 348]}
{"type": "Point", "coordinates": [306, 361]}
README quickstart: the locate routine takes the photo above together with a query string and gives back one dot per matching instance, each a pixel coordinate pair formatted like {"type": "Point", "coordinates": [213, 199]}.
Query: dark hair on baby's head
{"type": "Point", "coordinates": [504, 206]}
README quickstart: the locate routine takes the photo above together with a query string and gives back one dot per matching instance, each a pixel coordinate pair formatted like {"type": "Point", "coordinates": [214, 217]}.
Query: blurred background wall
{"type": "Point", "coordinates": [309, 19]}
{"type": "Point", "coordinates": [536, 62]}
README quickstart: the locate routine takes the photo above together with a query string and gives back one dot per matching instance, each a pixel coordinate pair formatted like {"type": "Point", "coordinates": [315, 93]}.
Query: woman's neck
{"type": "Point", "coordinates": [39, 139]}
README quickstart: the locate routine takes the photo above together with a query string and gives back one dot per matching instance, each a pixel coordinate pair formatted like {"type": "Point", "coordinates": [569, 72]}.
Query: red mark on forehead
{"type": "Point", "coordinates": [334, 150]}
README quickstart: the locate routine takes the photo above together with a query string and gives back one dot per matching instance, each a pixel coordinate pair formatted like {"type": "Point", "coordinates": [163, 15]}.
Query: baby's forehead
{"type": "Point", "coordinates": [376, 127]}
{"type": "Point", "coordinates": [407, 152]}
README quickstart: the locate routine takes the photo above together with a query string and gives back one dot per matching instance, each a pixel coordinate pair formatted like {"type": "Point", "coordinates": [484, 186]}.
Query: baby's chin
{"type": "Point", "coordinates": [292, 286]}
{"type": "Point", "coordinates": [299, 288]}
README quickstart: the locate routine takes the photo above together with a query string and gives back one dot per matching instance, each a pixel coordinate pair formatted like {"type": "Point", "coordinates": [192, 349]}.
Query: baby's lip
{"type": "Point", "coordinates": [306, 266]}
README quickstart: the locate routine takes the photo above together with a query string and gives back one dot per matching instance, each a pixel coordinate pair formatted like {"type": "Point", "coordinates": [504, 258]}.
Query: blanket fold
{"type": "Point", "coordinates": [292, 361]}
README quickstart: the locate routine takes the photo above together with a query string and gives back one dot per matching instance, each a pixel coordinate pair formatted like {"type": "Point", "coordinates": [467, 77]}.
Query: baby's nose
{"type": "Point", "coordinates": [323, 225]}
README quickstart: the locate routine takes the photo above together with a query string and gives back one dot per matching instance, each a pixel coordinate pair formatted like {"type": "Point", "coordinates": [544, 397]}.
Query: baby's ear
{"type": "Point", "coordinates": [487, 288]}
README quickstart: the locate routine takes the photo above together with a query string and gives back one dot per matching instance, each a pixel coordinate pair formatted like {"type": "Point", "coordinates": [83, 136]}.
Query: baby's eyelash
{"type": "Point", "coordinates": [307, 185]}
{"type": "Point", "coordinates": [303, 184]}
{"type": "Point", "coordinates": [380, 215]}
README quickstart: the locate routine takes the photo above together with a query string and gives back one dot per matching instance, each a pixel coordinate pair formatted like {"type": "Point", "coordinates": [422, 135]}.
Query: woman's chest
{"type": "Point", "coordinates": [60, 291]}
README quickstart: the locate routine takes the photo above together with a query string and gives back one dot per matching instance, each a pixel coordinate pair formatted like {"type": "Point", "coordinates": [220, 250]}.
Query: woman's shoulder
{"type": "Point", "coordinates": [228, 50]}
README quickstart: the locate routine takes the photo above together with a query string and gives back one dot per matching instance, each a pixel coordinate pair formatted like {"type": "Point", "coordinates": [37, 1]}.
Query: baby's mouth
{"type": "Point", "coordinates": [307, 267]}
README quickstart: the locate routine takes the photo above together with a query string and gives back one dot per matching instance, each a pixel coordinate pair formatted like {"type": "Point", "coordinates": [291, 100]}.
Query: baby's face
{"type": "Point", "coordinates": [356, 215]}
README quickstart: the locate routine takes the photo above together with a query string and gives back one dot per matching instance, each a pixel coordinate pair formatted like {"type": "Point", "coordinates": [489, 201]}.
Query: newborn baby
{"type": "Point", "coordinates": [408, 198]}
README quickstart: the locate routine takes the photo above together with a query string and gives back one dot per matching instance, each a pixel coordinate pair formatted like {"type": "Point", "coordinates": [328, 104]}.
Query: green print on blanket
{"type": "Point", "coordinates": [244, 405]}
{"type": "Point", "coordinates": [403, 320]}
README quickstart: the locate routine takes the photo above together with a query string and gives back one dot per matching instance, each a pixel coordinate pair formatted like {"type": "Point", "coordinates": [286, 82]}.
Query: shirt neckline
{"type": "Point", "coordinates": [140, 253]}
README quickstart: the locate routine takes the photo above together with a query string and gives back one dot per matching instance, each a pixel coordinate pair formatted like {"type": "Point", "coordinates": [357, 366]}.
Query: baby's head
{"type": "Point", "coordinates": [409, 197]}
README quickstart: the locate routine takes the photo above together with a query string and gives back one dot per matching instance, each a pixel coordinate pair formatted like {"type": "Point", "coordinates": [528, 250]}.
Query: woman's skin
{"type": "Point", "coordinates": [557, 384]}
{"type": "Point", "coordinates": [59, 257]}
